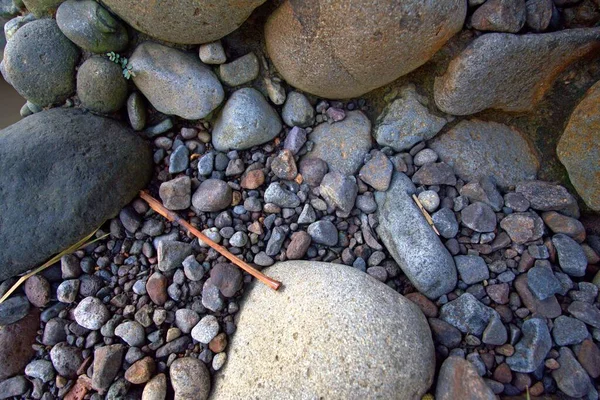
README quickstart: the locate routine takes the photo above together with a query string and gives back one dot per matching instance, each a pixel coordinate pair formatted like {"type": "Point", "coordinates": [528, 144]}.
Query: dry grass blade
{"type": "Point", "coordinates": [82, 243]}
{"type": "Point", "coordinates": [171, 216]}
{"type": "Point", "coordinates": [425, 214]}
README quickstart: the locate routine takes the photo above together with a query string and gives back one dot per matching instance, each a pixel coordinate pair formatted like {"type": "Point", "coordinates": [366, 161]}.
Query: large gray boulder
{"type": "Point", "coordinates": [411, 240]}
{"type": "Point", "coordinates": [333, 332]}
{"type": "Point", "coordinates": [247, 120]}
{"type": "Point", "coordinates": [477, 149]}
{"type": "Point", "coordinates": [63, 172]}
{"type": "Point", "coordinates": [343, 49]}
{"type": "Point", "coordinates": [39, 62]}
{"type": "Point", "coordinates": [91, 26]}
{"type": "Point", "coordinates": [579, 148]}
{"type": "Point", "coordinates": [510, 72]}
{"type": "Point", "coordinates": [184, 21]}
{"type": "Point", "coordinates": [175, 82]}
{"type": "Point", "coordinates": [342, 145]}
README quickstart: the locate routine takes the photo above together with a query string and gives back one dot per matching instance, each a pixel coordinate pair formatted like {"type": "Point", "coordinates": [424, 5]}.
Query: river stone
{"type": "Point", "coordinates": [91, 27]}
{"type": "Point", "coordinates": [458, 379]}
{"type": "Point", "coordinates": [59, 156]}
{"type": "Point", "coordinates": [184, 21]}
{"type": "Point", "coordinates": [190, 379]}
{"type": "Point", "coordinates": [579, 148]}
{"type": "Point", "coordinates": [247, 120]}
{"type": "Point", "coordinates": [346, 334]}
{"type": "Point", "coordinates": [510, 72]}
{"type": "Point", "coordinates": [175, 82]}
{"type": "Point", "coordinates": [411, 240]}
{"type": "Point", "coordinates": [342, 145]}
{"type": "Point", "coordinates": [477, 149]}
{"type": "Point", "coordinates": [39, 62]}
{"type": "Point", "coordinates": [407, 121]}
{"type": "Point", "coordinates": [42, 8]}
{"type": "Point", "coordinates": [500, 16]}
{"type": "Point", "coordinates": [101, 86]}
{"type": "Point", "coordinates": [15, 344]}
{"type": "Point", "coordinates": [345, 49]}
{"type": "Point", "coordinates": [532, 349]}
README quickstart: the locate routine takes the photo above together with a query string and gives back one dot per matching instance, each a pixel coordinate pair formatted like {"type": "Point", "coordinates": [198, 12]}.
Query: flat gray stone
{"type": "Point", "coordinates": [329, 328]}
{"type": "Point", "coordinates": [571, 257]}
{"type": "Point", "coordinates": [532, 349]}
{"type": "Point", "coordinates": [570, 377]}
{"type": "Point", "coordinates": [467, 314]}
{"type": "Point", "coordinates": [478, 149]}
{"type": "Point", "coordinates": [176, 83]}
{"type": "Point", "coordinates": [247, 120]}
{"type": "Point", "coordinates": [472, 269]}
{"type": "Point", "coordinates": [412, 242]}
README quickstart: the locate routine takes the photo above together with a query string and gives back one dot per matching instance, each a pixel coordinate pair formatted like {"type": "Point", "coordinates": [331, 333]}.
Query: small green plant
{"type": "Point", "coordinates": [123, 62]}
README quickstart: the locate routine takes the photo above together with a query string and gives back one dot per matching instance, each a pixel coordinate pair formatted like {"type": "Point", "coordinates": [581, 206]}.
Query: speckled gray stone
{"type": "Point", "coordinates": [324, 326]}
{"type": "Point", "coordinates": [531, 351]}
{"type": "Point", "coordinates": [411, 241]}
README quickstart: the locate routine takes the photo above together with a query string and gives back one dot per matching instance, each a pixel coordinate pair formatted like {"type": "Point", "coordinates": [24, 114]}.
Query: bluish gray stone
{"type": "Point", "coordinates": [585, 312]}
{"type": "Point", "coordinates": [13, 309]}
{"type": "Point", "coordinates": [179, 160]}
{"type": "Point", "coordinates": [479, 216]}
{"type": "Point", "coordinates": [467, 314]}
{"type": "Point", "coordinates": [495, 333]}
{"type": "Point", "coordinates": [295, 139]}
{"type": "Point", "coordinates": [412, 242]}
{"type": "Point", "coordinates": [407, 121]}
{"type": "Point", "coordinates": [445, 222]}
{"type": "Point", "coordinates": [239, 71]}
{"type": "Point", "coordinates": [323, 232]}
{"type": "Point", "coordinates": [297, 111]}
{"type": "Point", "coordinates": [570, 377]}
{"type": "Point", "coordinates": [542, 282]}
{"type": "Point", "coordinates": [571, 257]}
{"type": "Point", "coordinates": [339, 190]}
{"type": "Point", "coordinates": [205, 164]}
{"type": "Point", "coordinates": [247, 120]}
{"type": "Point", "coordinates": [568, 331]}
{"type": "Point", "coordinates": [532, 349]}
{"type": "Point", "coordinates": [275, 242]}
{"type": "Point", "coordinates": [171, 254]}
{"type": "Point", "coordinates": [472, 269]}
{"type": "Point", "coordinates": [276, 194]}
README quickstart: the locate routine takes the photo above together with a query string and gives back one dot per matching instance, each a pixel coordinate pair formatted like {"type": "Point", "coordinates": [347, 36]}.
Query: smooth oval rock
{"type": "Point", "coordinates": [68, 164]}
{"type": "Point", "coordinates": [579, 147]}
{"type": "Point", "coordinates": [39, 62]}
{"type": "Point", "coordinates": [247, 120]}
{"type": "Point", "coordinates": [190, 379]}
{"type": "Point", "coordinates": [411, 240]}
{"type": "Point", "coordinates": [101, 86]}
{"type": "Point", "coordinates": [342, 145]}
{"type": "Point", "coordinates": [184, 21]}
{"type": "Point", "coordinates": [176, 83]}
{"type": "Point", "coordinates": [343, 50]}
{"type": "Point", "coordinates": [510, 72]}
{"type": "Point", "coordinates": [344, 333]}
{"type": "Point", "coordinates": [91, 27]}
{"type": "Point", "coordinates": [477, 149]}
{"type": "Point", "coordinates": [212, 195]}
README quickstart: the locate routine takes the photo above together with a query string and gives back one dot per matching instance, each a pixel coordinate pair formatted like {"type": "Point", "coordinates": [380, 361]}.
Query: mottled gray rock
{"type": "Point", "coordinates": [523, 227]}
{"type": "Point", "coordinates": [435, 174]}
{"type": "Point", "coordinates": [42, 8]}
{"type": "Point", "coordinates": [212, 53]}
{"type": "Point", "coordinates": [132, 333]}
{"type": "Point", "coordinates": [40, 369]}
{"type": "Point", "coordinates": [240, 71]}
{"type": "Point", "coordinates": [247, 120]}
{"type": "Point", "coordinates": [206, 329]}
{"type": "Point", "coordinates": [190, 379]}
{"type": "Point", "coordinates": [532, 349]}
{"type": "Point", "coordinates": [323, 232]}
{"type": "Point", "coordinates": [542, 282]}
{"type": "Point", "coordinates": [467, 314]}
{"type": "Point", "coordinates": [339, 190]}
{"type": "Point", "coordinates": [568, 331]}
{"type": "Point", "coordinates": [377, 172]}
{"type": "Point", "coordinates": [477, 149]}
{"type": "Point", "coordinates": [321, 325]}
{"type": "Point", "coordinates": [411, 240]}
{"type": "Point", "coordinates": [136, 111]}
{"type": "Point", "coordinates": [570, 377]}
{"type": "Point", "coordinates": [585, 312]}
{"type": "Point", "coordinates": [485, 191]}
{"type": "Point", "coordinates": [342, 145]}
{"type": "Point", "coordinates": [479, 216]}
{"type": "Point", "coordinates": [458, 379]}
{"type": "Point", "coordinates": [39, 62]}
{"type": "Point", "coordinates": [107, 363]}
{"type": "Point", "coordinates": [91, 313]}
{"type": "Point", "coordinates": [101, 86]}
{"type": "Point", "coordinates": [176, 194]}
{"type": "Point", "coordinates": [73, 165]}
{"type": "Point", "coordinates": [445, 222]}
{"type": "Point", "coordinates": [175, 82]}
{"type": "Point", "coordinates": [91, 27]}
{"type": "Point", "coordinates": [406, 121]}
{"type": "Point", "coordinates": [280, 196]}
{"type": "Point", "coordinates": [13, 310]}
{"type": "Point", "coordinates": [500, 16]}
{"type": "Point", "coordinates": [472, 269]}
{"type": "Point", "coordinates": [14, 387]}
{"type": "Point", "coordinates": [545, 196]}
{"type": "Point", "coordinates": [184, 21]}
{"type": "Point", "coordinates": [172, 253]}
{"type": "Point", "coordinates": [297, 111]}
{"type": "Point", "coordinates": [344, 52]}
{"type": "Point", "coordinates": [539, 14]}
{"type": "Point", "coordinates": [510, 72]}
{"type": "Point", "coordinates": [212, 195]}
{"type": "Point", "coordinates": [495, 333]}
{"type": "Point", "coordinates": [571, 257]}
{"type": "Point", "coordinates": [66, 359]}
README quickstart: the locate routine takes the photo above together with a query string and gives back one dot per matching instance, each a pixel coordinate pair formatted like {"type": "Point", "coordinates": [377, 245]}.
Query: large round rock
{"type": "Point", "coordinates": [343, 49]}
{"type": "Point", "coordinates": [175, 82]}
{"type": "Point", "coordinates": [101, 86]}
{"type": "Point", "coordinates": [63, 172]}
{"type": "Point", "coordinates": [579, 148]}
{"type": "Point", "coordinates": [330, 332]}
{"type": "Point", "coordinates": [39, 62]}
{"type": "Point", "coordinates": [184, 21]}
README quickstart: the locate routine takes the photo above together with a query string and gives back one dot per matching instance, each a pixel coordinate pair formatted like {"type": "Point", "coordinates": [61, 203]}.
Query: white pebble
{"type": "Point", "coordinates": [430, 200]}
{"type": "Point", "coordinates": [206, 329]}
{"type": "Point", "coordinates": [425, 156]}
{"type": "Point", "coordinates": [219, 361]}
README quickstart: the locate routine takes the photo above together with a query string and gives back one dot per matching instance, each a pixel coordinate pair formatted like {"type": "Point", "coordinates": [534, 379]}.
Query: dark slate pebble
{"type": "Point", "coordinates": [435, 174]}
{"type": "Point", "coordinates": [445, 222]}
{"type": "Point", "coordinates": [295, 139]}
{"type": "Point", "coordinates": [444, 333]}
{"type": "Point", "coordinates": [227, 278]}
{"type": "Point", "coordinates": [15, 386]}
{"type": "Point", "coordinates": [571, 257]}
{"type": "Point", "coordinates": [313, 170]}
{"type": "Point", "coordinates": [179, 160]}
{"type": "Point", "coordinates": [323, 232]}
{"type": "Point", "coordinates": [480, 217]}
{"type": "Point", "coordinates": [472, 269]}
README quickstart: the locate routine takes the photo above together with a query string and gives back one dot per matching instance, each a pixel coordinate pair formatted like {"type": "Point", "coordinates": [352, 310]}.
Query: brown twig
{"type": "Point", "coordinates": [171, 216]}
{"type": "Point", "coordinates": [425, 214]}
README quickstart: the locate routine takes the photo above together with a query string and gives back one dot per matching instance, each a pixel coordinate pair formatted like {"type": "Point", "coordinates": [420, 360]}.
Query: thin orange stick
{"type": "Point", "coordinates": [171, 216]}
